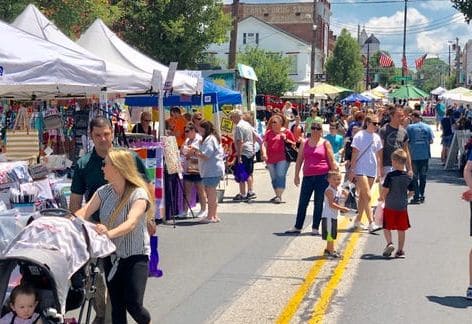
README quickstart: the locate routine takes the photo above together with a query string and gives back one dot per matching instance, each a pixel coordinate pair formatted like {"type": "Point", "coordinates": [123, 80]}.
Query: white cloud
{"type": "Point", "coordinates": [395, 22]}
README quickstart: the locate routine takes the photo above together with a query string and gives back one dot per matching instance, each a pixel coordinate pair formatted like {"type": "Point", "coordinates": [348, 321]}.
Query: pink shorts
{"type": "Point", "coordinates": [395, 219]}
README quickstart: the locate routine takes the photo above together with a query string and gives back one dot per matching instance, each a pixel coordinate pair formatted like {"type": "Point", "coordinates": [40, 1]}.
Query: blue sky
{"type": "Point", "coordinates": [430, 24]}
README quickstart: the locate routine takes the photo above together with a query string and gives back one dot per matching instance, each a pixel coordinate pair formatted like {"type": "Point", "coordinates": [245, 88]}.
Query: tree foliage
{"type": "Point", "coordinates": [433, 74]}
{"type": "Point", "coordinates": [344, 67]}
{"type": "Point", "coordinates": [173, 30]}
{"type": "Point", "coordinates": [464, 6]}
{"type": "Point", "coordinates": [272, 70]}
{"type": "Point", "coordinates": [71, 17]}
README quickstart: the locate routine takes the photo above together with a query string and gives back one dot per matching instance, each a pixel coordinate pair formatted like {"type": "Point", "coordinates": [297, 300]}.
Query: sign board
{"type": "Point", "coordinates": [200, 83]}
{"type": "Point", "coordinates": [227, 109]}
{"type": "Point", "coordinates": [399, 78]}
{"type": "Point", "coordinates": [156, 81]}
{"type": "Point", "coordinates": [226, 125]}
{"type": "Point", "coordinates": [170, 76]}
{"type": "Point", "coordinates": [457, 148]}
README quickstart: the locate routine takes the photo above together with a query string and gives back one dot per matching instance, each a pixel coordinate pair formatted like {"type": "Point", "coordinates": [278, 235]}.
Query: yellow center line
{"type": "Point", "coordinates": [294, 303]}
{"type": "Point", "coordinates": [319, 311]}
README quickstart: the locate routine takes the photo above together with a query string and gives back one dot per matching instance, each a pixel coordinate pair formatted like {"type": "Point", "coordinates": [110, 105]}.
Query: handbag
{"type": "Point", "coordinates": [291, 152]}
{"type": "Point", "coordinates": [378, 214]}
{"type": "Point", "coordinates": [240, 173]}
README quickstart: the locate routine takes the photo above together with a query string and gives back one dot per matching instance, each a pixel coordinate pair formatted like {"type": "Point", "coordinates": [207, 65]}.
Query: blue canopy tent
{"type": "Point", "coordinates": [213, 94]}
{"type": "Point", "coordinates": [355, 97]}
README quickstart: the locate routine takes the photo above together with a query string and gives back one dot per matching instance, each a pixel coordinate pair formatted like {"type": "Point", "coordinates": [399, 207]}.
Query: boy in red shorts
{"type": "Point", "coordinates": [396, 189]}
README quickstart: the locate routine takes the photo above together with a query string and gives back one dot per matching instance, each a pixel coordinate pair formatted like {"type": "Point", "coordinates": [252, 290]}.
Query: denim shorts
{"type": "Point", "coordinates": [211, 181]}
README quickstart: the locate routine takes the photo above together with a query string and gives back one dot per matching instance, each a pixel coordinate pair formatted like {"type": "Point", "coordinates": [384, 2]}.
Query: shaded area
{"type": "Point", "coordinates": [437, 173]}
{"type": "Point", "coordinates": [451, 301]}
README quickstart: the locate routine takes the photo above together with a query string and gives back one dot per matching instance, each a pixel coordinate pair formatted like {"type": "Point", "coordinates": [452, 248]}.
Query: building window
{"type": "Point", "coordinates": [293, 57]}
{"type": "Point", "coordinates": [250, 38]}
{"type": "Point", "coordinates": [266, 14]}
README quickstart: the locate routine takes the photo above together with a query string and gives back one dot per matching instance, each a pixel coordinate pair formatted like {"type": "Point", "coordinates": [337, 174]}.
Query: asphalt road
{"type": "Point", "coordinates": [245, 270]}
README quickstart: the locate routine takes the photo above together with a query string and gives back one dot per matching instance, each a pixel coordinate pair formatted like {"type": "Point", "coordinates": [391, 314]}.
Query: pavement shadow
{"type": "Point", "coordinates": [315, 258]}
{"type": "Point", "coordinates": [294, 234]}
{"type": "Point", "coordinates": [229, 200]}
{"type": "Point", "coordinates": [451, 301]}
{"type": "Point", "coordinates": [188, 223]}
{"type": "Point", "coordinates": [437, 173]}
{"type": "Point", "coordinates": [370, 257]}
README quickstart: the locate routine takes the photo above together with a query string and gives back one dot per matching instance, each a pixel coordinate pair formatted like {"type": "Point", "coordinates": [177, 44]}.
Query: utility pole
{"type": "Point", "coordinates": [404, 40]}
{"type": "Point", "coordinates": [449, 43]}
{"type": "Point", "coordinates": [234, 35]}
{"type": "Point", "coordinates": [313, 46]}
{"type": "Point", "coordinates": [458, 62]}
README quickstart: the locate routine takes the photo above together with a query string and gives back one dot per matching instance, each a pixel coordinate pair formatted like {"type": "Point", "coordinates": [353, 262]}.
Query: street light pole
{"type": "Point", "coordinates": [313, 47]}
{"type": "Point", "coordinates": [449, 43]}
{"type": "Point", "coordinates": [367, 67]}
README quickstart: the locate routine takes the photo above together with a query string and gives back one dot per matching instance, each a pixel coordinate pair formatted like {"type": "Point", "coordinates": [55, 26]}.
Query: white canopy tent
{"type": "Point", "coordinates": [438, 91]}
{"type": "Point", "coordinates": [381, 90]}
{"type": "Point", "coordinates": [117, 78]}
{"type": "Point", "coordinates": [101, 41]}
{"type": "Point", "coordinates": [30, 65]}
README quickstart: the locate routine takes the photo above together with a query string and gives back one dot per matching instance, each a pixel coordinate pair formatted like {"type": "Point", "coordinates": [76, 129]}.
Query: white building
{"type": "Point", "coordinates": [255, 32]}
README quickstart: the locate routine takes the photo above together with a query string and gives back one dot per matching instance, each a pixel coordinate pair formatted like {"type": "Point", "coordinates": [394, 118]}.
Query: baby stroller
{"type": "Point", "coordinates": [56, 254]}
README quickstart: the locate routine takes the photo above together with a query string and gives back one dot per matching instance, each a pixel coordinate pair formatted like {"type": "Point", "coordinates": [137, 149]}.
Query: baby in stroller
{"type": "Point", "coordinates": [55, 255]}
{"type": "Point", "coordinates": [23, 302]}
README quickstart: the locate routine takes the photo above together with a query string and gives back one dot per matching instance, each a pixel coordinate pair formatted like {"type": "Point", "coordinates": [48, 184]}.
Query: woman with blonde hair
{"type": "Point", "coordinates": [126, 207]}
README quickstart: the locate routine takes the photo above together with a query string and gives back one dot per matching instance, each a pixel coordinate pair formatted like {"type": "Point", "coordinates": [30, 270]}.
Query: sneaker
{"type": "Point", "coordinates": [182, 215]}
{"type": "Point", "coordinates": [315, 232]}
{"type": "Point", "coordinates": [399, 254]}
{"type": "Point", "coordinates": [374, 227]}
{"type": "Point", "coordinates": [468, 293]}
{"type": "Point", "coordinates": [293, 230]}
{"type": "Point", "coordinates": [238, 197]}
{"type": "Point", "coordinates": [277, 200]}
{"type": "Point", "coordinates": [251, 195]}
{"type": "Point", "coordinates": [422, 200]}
{"type": "Point", "coordinates": [388, 250]}
{"type": "Point", "coordinates": [202, 213]}
{"type": "Point", "coordinates": [415, 202]}
{"type": "Point", "coordinates": [333, 255]}
{"type": "Point", "coordinates": [358, 226]}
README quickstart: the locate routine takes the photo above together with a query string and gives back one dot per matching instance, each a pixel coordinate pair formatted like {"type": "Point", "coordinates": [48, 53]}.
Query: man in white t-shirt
{"type": "Point", "coordinates": [244, 141]}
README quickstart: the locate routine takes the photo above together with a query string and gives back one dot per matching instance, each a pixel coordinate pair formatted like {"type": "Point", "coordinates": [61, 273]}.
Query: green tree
{"type": "Point", "coordinates": [71, 17]}
{"type": "Point", "coordinates": [464, 6]}
{"type": "Point", "coordinates": [272, 70]}
{"type": "Point", "coordinates": [174, 30]}
{"type": "Point", "coordinates": [433, 74]}
{"type": "Point", "coordinates": [344, 66]}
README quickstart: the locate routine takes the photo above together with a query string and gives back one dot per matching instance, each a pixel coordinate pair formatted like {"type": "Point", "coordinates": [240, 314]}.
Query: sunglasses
{"type": "Point", "coordinates": [316, 128]}
{"type": "Point", "coordinates": [375, 123]}
{"type": "Point", "coordinates": [188, 130]}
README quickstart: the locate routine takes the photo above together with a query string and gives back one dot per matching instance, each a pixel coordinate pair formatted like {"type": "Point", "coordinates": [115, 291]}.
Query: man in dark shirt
{"type": "Point", "coordinates": [394, 136]}
{"type": "Point", "coordinates": [88, 177]}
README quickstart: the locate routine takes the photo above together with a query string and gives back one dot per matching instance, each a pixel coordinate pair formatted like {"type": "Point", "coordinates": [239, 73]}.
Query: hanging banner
{"type": "Point", "coordinates": [170, 76]}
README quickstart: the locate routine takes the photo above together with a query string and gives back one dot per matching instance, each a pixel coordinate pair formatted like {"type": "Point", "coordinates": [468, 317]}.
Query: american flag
{"type": "Point", "coordinates": [419, 62]}
{"type": "Point", "coordinates": [385, 60]}
{"type": "Point", "coordinates": [404, 65]}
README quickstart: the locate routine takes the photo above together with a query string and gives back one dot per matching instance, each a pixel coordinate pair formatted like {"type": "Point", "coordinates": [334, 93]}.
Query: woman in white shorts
{"type": "Point", "coordinates": [365, 162]}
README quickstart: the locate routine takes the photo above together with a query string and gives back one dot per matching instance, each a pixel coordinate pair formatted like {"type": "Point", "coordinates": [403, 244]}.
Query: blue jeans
{"type": "Point", "coordinates": [318, 184]}
{"type": "Point", "coordinates": [278, 173]}
{"type": "Point", "coordinates": [420, 168]}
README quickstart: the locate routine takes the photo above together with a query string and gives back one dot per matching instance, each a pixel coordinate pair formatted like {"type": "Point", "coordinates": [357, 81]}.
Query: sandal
{"type": "Point", "coordinates": [277, 200]}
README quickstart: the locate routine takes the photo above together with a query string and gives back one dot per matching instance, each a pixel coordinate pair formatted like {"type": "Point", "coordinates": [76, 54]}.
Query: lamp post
{"type": "Point", "coordinates": [367, 42]}
{"type": "Point", "coordinates": [449, 43]}
{"type": "Point", "coordinates": [313, 47]}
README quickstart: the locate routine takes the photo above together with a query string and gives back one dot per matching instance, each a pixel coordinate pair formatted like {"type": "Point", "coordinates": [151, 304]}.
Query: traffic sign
{"type": "Point", "coordinates": [399, 78]}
